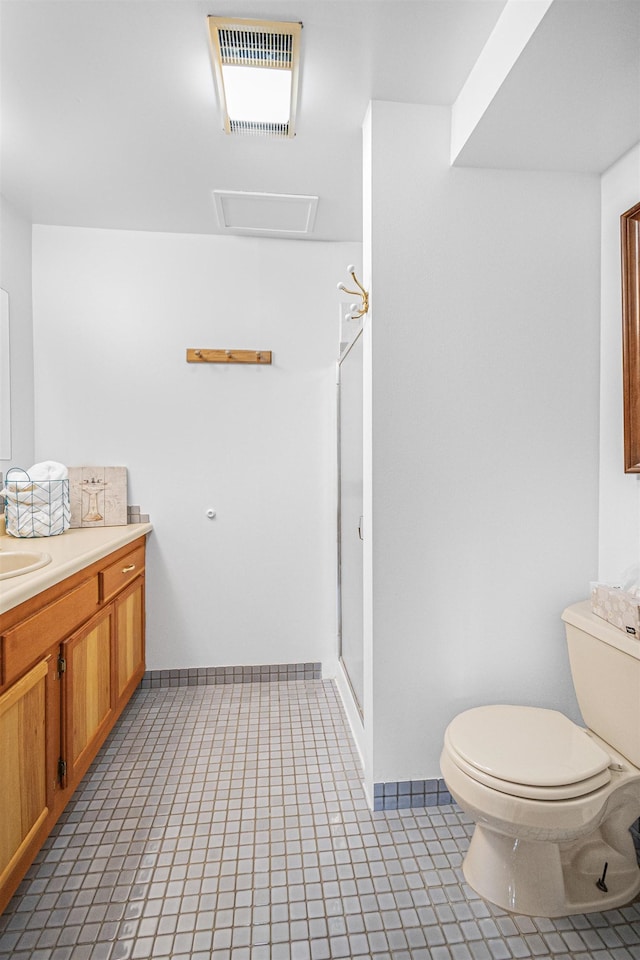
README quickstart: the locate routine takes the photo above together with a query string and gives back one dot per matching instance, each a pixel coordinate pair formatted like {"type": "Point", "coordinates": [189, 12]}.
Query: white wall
{"type": "Point", "coordinates": [484, 465]}
{"type": "Point", "coordinates": [619, 492]}
{"type": "Point", "coordinates": [15, 278]}
{"type": "Point", "coordinates": [114, 313]}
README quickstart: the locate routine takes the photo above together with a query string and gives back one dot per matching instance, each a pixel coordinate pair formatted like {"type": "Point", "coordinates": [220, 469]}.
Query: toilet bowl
{"type": "Point", "coordinates": [551, 800]}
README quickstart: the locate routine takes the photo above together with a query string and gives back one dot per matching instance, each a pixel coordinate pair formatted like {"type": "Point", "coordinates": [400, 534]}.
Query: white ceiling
{"type": "Point", "coordinates": [109, 116]}
{"type": "Point", "coordinates": [572, 99]}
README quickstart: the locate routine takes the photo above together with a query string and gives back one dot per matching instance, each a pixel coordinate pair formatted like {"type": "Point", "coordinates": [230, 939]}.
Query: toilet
{"type": "Point", "coordinates": [552, 801]}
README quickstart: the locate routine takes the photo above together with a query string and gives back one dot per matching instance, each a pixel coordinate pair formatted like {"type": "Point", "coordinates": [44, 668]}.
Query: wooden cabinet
{"type": "Point", "coordinates": [29, 778]}
{"type": "Point", "coordinates": [87, 694]}
{"type": "Point", "coordinates": [70, 660]}
{"type": "Point", "coordinates": [35, 634]}
{"type": "Point", "coordinates": [118, 574]}
{"type": "Point", "coordinates": [129, 646]}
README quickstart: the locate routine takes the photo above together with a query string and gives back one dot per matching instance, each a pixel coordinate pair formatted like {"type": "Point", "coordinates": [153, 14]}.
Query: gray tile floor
{"type": "Point", "coordinates": [228, 822]}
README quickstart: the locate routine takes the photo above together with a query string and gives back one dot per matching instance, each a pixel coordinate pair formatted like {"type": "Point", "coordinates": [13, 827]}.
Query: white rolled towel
{"type": "Point", "coordinates": [38, 519]}
{"type": "Point", "coordinates": [37, 523]}
{"type": "Point", "coordinates": [29, 493]}
{"type": "Point", "coordinates": [48, 470]}
{"type": "Point", "coordinates": [20, 486]}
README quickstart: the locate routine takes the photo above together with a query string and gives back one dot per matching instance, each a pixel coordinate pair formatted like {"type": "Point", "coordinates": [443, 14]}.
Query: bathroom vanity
{"type": "Point", "coordinates": [71, 655]}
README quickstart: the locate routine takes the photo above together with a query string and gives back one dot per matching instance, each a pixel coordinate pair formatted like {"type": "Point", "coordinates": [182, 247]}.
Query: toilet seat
{"type": "Point", "coordinates": [527, 752]}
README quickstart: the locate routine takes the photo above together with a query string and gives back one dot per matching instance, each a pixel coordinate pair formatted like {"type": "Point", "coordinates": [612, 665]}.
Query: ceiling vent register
{"type": "Point", "coordinates": [256, 66]}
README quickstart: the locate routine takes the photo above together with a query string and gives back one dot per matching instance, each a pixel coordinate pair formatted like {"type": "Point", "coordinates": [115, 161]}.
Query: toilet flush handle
{"type": "Point", "coordinates": [600, 884]}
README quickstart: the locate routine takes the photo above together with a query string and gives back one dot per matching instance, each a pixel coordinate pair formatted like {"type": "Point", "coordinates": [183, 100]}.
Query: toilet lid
{"type": "Point", "coordinates": [527, 752]}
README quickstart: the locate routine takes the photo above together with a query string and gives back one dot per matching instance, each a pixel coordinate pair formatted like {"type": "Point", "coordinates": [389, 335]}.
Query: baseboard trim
{"type": "Point", "coordinates": [203, 676]}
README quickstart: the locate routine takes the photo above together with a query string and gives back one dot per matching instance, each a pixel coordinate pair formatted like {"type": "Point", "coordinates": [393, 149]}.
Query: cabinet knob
{"type": "Point", "coordinates": [128, 569]}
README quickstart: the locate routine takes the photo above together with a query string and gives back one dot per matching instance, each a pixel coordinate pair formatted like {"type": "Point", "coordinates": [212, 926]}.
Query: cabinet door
{"type": "Point", "coordinates": [88, 693]}
{"type": "Point", "coordinates": [27, 779]}
{"type": "Point", "coordinates": [129, 655]}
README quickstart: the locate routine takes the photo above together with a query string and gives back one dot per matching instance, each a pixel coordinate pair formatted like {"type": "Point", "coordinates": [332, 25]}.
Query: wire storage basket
{"type": "Point", "coordinates": [35, 508]}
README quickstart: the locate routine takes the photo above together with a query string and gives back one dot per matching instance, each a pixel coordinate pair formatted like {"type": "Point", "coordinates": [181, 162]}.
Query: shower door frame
{"type": "Point", "coordinates": [358, 338]}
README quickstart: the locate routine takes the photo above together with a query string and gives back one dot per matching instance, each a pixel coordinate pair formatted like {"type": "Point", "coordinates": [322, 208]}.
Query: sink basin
{"type": "Point", "coordinates": [13, 563]}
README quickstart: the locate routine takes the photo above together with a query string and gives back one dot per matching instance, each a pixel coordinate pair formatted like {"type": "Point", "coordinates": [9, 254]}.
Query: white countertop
{"type": "Point", "coordinates": [70, 552]}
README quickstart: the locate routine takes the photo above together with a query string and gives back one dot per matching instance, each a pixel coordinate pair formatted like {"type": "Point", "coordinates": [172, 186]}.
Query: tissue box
{"type": "Point", "coordinates": [618, 607]}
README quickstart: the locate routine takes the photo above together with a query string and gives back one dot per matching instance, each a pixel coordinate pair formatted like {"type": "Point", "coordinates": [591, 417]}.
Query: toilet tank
{"type": "Point", "coordinates": [605, 666]}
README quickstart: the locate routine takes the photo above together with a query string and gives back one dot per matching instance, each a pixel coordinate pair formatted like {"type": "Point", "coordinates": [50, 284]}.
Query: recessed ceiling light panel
{"type": "Point", "coordinates": [256, 68]}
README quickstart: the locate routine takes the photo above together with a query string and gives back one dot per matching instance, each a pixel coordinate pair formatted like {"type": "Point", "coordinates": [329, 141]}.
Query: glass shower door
{"type": "Point", "coordinates": [350, 516]}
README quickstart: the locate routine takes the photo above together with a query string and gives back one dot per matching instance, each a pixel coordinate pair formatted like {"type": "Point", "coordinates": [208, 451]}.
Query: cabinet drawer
{"type": "Point", "coordinates": [29, 640]}
{"type": "Point", "coordinates": [116, 576]}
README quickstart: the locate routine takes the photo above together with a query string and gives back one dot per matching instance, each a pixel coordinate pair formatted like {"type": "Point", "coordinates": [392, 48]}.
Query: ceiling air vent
{"type": "Point", "coordinates": [256, 69]}
{"type": "Point", "coordinates": [276, 214]}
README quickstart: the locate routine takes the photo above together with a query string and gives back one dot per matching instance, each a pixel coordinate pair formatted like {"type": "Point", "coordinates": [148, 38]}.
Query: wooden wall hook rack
{"type": "Point", "coordinates": [198, 355]}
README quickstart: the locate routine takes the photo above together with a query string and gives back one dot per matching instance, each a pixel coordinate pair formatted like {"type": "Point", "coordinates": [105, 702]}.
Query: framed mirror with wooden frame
{"type": "Point", "coordinates": [630, 249]}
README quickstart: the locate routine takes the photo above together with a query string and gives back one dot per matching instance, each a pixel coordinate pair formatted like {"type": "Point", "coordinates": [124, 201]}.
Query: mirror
{"type": "Point", "coordinates": [630, 250]}
{"type": "Point", "coordinates": [5, 379]}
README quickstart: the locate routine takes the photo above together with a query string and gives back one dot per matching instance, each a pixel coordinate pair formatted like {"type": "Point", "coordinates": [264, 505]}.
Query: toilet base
{"type": "Point", "coordinates": [542, 879]}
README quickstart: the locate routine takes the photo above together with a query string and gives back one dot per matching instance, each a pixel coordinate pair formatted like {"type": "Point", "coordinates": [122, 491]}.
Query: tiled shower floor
{"type": "Point", "coordinates": [228, 822]}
